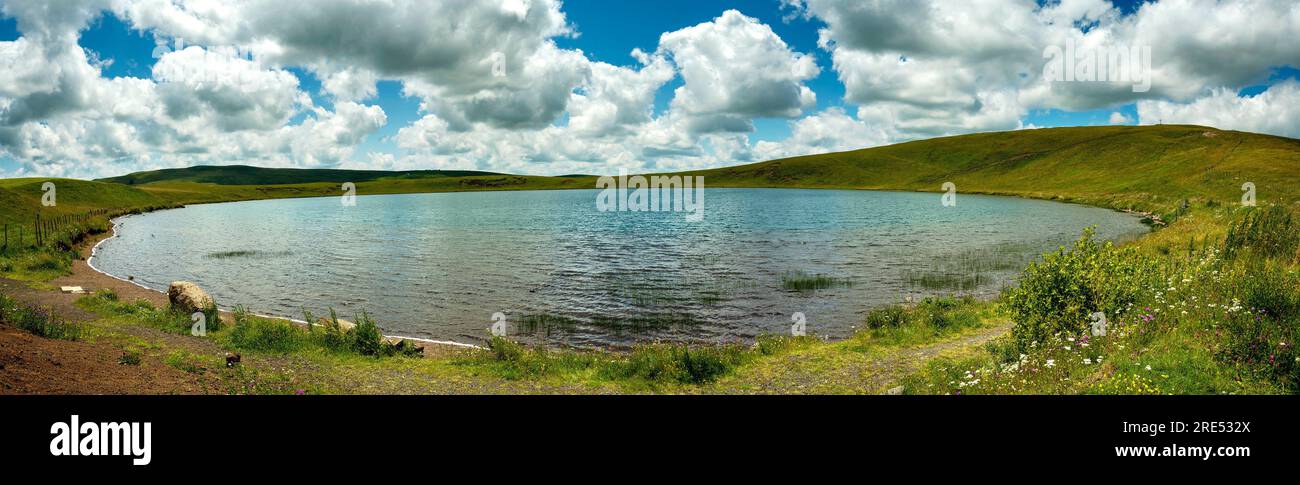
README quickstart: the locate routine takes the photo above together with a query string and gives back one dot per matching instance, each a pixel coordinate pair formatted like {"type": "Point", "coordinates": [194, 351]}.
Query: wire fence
{"type": "Point", "coordinates": [50, 229]}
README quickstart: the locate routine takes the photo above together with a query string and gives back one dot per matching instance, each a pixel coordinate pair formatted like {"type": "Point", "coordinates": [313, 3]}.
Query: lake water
{"type": "Point", "coordinates": [438, 266]}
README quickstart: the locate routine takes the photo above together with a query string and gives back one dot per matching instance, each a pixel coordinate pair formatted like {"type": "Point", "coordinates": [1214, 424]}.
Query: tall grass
{"type": "Point", "coordinates": [800, 281]}
{"type": "Point", "coordinates": [649, 364]}
{"type": "Point", "coordinates": [39, 321]}
{"type": "Point", "coordinates": [270, 335]}
{"type": "Point", "coordinates": [968, 270]}
{"type": "Point", "coordinates": [1270, 232]}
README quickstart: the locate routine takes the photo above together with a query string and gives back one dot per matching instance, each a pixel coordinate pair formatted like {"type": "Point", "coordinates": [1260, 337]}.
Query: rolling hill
{"type": "Point", "coordinates": [246, 175]}
{"type": "Point", "coordinates": [1144, 167]}
{"type": "Point", "coordinates": [1153, 168]}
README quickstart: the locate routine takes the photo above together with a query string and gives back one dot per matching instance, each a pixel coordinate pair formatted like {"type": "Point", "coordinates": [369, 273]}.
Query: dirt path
{"type": "Point", "coordinates": [824, 371]}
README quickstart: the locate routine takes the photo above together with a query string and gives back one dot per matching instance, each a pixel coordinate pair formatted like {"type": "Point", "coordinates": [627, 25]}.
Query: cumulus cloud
{"type": "Point", "coordinates": [736, 69]}
{"type": "Point", "coordinates": [1275, 111]}
{"type": "Point", "coordinates": [831, 130]}
{"type": "Point", "coordinates": [226, 90]}
{"type": "Point", "coordinates": [953, 67]}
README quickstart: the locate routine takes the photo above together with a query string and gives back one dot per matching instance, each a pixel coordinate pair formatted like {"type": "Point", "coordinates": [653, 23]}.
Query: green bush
{"type": "Point", "coordinates": [887, 317]}
{"type": "Point", "coordinates": [267, 335]}
{"type": "Point", "coordinates": [1059, 293]}
{"type": "Point", "coordinates": [679, 363]}
{"type": "Point", "coordinates": [38, 321]}
{"type": "Point", "coordinates": [366, 339]}
{"type": "Point", "coordinates": [506, 350]}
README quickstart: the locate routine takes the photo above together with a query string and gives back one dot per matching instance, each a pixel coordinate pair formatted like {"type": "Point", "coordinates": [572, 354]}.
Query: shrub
{"type": "Point", "coordinates": [506, 350]}
{"type": "Point", "coordinates": [948, 313]}
{"type": "Point", "coordinates": [679, 363]}
{"type": "Point", "coordinates": [887, 317]}
{"type": "Point", "coordinates": [333, 338]}
{"type": "Point", "coordinates": [366, 339]}
{"type": "Point", "coordinates": [1058, 293]}
{"type": "Point", "coordinates": [267, 335]}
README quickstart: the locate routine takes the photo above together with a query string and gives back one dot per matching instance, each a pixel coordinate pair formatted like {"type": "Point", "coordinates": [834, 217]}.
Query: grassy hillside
{"type": "Point", "coordinates": [1147, 167]}
{"type": "Point", "coordinates": [188, 192]}
{"type": "Point", "coordinates": [245, 175]}
{"type": "Point", "coordinates": [1152, 168]}
{"type": "Point", "coordinates": [21, 198]}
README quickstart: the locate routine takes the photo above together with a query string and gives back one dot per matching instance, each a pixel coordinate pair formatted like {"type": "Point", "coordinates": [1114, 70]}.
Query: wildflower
{"type": "Point", "coordinates": [1052, 362]}
{"type": "Point", "coordinates": [1087, 361]}
{"type": "Point", "coordinates": [1148, 366]}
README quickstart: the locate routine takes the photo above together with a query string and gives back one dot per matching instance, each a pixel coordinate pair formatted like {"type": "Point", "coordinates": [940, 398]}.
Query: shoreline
{"type": "Point", "coordinates": [162, 301]}
{"type": "Point", "coordinates": [96, 274]}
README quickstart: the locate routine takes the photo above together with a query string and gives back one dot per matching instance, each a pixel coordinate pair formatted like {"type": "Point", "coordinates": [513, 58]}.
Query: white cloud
{"type": "Point", "coordinates": [828, 131]}
{"type": "Point", "coordinates": [736, 69]}
{"type": "Point", "coordinates": [1275, 111]}
{"type": "Point", "coordinates": [953, 67]}
{"type": "Point", "coordinates": [1118, 118]}
{"type": "Point", "coordinates": [228, 91]}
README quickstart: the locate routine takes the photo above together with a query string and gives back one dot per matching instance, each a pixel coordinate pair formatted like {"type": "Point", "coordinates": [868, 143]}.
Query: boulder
{"type": "Point", "coordinates": [188, 298]}
{"type": "Point", "coordinates": [344, 325]}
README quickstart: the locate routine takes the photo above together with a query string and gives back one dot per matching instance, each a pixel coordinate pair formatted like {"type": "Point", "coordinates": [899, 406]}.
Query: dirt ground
{"type": "Point", "coordinates": [35, 365]}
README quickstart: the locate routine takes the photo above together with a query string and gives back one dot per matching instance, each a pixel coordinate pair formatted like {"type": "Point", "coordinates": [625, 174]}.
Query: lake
{"type": "Point", "coordinates": [439, 266]}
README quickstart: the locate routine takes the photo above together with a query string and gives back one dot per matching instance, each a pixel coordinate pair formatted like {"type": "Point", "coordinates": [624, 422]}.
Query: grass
{"type": "Point", "coordinates": [645, 366]}
{"type": "Point", "coordinates": [1146, 168]}
{"type": "Point", "coordinates": [1205, 305]}
{"type": "Point", "coordinates": [246, 254]}
{"type": "Point", "coordinates": [38, 321]}
{"type": "Point", "coordinates": [968, 270]}
{"type": "Point", "coordinates": [1218, 317]}
{"type": "Point", "coordinates": [800, 281]}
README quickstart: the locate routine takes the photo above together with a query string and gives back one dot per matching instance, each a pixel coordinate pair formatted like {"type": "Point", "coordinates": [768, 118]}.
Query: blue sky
{"type": "Point", "coordinates": [462, 127]}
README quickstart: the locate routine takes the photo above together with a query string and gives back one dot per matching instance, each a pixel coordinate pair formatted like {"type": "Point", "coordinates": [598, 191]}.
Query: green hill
{"type": "Point", "coordinates": [246, 175]}
{"type": "Point", "coordinates": [1151, 168]}
{"type": "Point", "coordinates": [21, 198]}
{"type": "Point", "coordinates": [1144, 167]}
